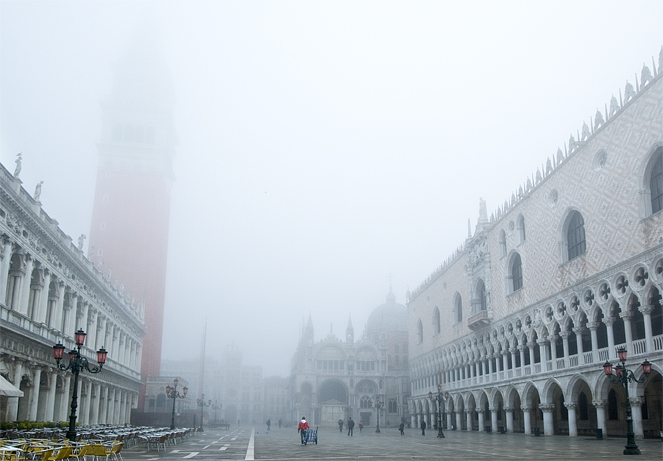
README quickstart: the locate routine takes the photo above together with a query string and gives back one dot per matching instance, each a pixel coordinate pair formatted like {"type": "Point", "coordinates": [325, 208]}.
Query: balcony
{"type": "Point", "coordinates": [479, 320]}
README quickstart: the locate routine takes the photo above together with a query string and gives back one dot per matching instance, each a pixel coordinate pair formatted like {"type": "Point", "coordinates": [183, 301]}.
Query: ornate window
{"type": "Point", "coordinates": [516, 273]}
{"type": "Point", "coordinates": [436, 321]}
{"type": "Point", "coordinates": [480, 303]}
{"type": "Point", "coordinates": [365, 402]}
{"type": "Point", "coordinates": [393, 406]}
{"type": "Point", "coordinates": [656, 182]}
{"type": "Point", "coordinates": [575, 236]}
{"type": "Point", "coordinates": [458, 309]}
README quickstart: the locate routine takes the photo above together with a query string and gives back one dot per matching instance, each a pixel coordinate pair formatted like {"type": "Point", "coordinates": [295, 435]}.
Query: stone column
{"type": "Point", "coordinates": [553, 350]}
{"type": "Point", "coordinates": [626, 316]}
{"type": "Point", "coordinates": [12, 407]}
{"type": "Point", "coordinates": [543, 352]}
{"type": "Point", "coordinates": [593, 327]}
{"type": "Point", "coordinates": [56, 316]}
{"type": "Point", "coordinates": [527, 420]}
{"type": "Point", "coordinates": [578, 332]}
{"type": "Point", "coordinates": [646, 313]}
{"type": "Point", "coordinates": [449, 420]}
{"type": "Point", "coordinates": [459, 420]}
{"type": "Point", "coordinates": [531, 345]}
{"type": "Point", "coordinates": [548, 428]}
{"type": "Point", "coordinates": [94, 414]}
{"type": "Point", "coordinates": [490, 366]}
{"type": "Point", "coordinates": [42, 307]}
{"type": "Point", "coordinates": [116, 410]}
{"type": "Point", "coordinates": [565, 342]}
{"type": "Point", "coordinates": [88, 401]}
{"type": "Point", "coordinates": [81, 316]}
{"type": "Point", "coordinates": [521, 349]}
{"type": "Point", "coordinates": [513, 359]}
{"type": "Point", "coordinates": [101, 330]}
{"type": "Point", "coordinates": [104, 407]}
{"type": "Point", "coordinates": [609, 322]}
{"type": "Point", "coordinates": [64, 401]}
{"type": "Point", "coordinates": [493, 419]}
{"type": "Point", "coordinates": [509, 418]}
{"type": "Point", "coordinates": [505, 360]}
{"type": "Point", "coordinates": [127, 410]}
{"type": "Point", "coordinates": [123, 407]}
{"type": "Point", "coordinates": [481, 420]}
{"type": "Point", "coordinates": [25, 285]}
{"type": "Point", "coordinates": [468, 420]}
{"type": "Point", "coordinates": [34, 395]}
{"type": "Point", "coordinates": [91, 328]}
{"type": "Point", "coordinates": [600, 416]}
{"type": "Point", "coordinates": [636, 413]}
{"type": "Point", "coordinates": [573, 428]}
{"type": "Point", "coordinates": [111, 407]}
{"type": "Point", "coordinates": [413, 420]}
{"type": "Point", "coordinates": [4, 267]}
{"type": "Point", "coordinates": [50, 406]}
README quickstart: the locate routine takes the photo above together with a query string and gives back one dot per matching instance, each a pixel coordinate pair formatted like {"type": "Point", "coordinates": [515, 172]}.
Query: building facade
{"type": "Point", "coordinates": [131, 211]}
{"type": "Point", "coordinates": [336, 379]}
{"type": "Point", "coordinates": [276, 399]}
{"type": "Point", "coordinates": [517, 324]}
{"type": "Point", "coordinates": [48, 290]}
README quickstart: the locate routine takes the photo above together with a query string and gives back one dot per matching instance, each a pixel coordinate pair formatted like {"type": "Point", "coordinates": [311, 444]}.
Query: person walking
{"type": "Point", "coordinates": [269, 423]}
{"type": "Point", "coordinates": [401, 427]}
{"type": "Point", "coordinates": [340, 425]}
{"type": "Point", "coordinates": [301, 428]}
{"type": "Point", "coordinates": [361, 426]}
{"type": "Point", "coordinates": [423, 428]}
{"type": "Point", "coordinates": [351, 426]}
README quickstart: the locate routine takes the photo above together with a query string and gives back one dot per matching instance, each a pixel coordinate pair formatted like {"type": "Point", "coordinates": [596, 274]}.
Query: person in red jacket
{"type": "Point", "coordinates": [303, 426]}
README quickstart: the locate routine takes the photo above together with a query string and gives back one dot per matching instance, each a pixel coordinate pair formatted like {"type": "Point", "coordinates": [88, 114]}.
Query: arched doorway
{"type": "Point", "coordinates": [333, 399]}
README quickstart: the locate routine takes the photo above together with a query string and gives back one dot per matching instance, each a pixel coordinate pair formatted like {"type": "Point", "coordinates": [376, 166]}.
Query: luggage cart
{"type": "Point", "coordinates": [311, 436]}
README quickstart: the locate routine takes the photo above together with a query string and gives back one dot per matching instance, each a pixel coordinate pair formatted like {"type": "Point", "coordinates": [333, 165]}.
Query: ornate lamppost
{"type": "Point", "coordinates": [623, 376]}
{"type": "Point", "coordinates": [77, 363]}
{"type": "Point", "coordinates": [439, 398]}
{"type": "Point", "coordinates": [378, 405]}
{"type": "Point", "coordinates": [202, 404]}
{"type": "Point", "coordinates": [171, 393]}
{"type": "Point", "coordinates": [216, 406]}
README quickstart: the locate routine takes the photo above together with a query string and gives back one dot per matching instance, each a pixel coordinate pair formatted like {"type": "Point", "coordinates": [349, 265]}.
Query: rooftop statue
{"type": "Point", "coordinates": [646, 76]}
{"type": "Point", "coordinates": [629, 92]}
{"type": "Point", "coordinates": [572, 144]}
{"type": "Point", "coordinates": [585, 132]}
{"type": "Point", "coordinates": [17, 171]}
{"type": "Point", "coordinates": [560, 156]}
{"type": "Point", "coordinates": [38, 191]}
{"type": "Point", "coordinates": [483, 214]}
{"type": "Point", "coordinates": [614, 106]}
{"type": "Point", "coordinates": [598, 119]}
{"type": "Point", "coordinates": [81, 239]}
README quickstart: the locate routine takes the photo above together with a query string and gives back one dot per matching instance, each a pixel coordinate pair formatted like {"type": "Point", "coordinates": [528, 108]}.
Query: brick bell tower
{"type": "Point", "coordinates": [131, 213]}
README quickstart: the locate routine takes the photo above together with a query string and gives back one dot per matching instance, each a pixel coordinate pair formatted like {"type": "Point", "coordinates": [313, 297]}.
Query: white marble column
{"type": "Point", "coordinates": [481, 420]}
{"type": "Point", "coordinates": [527, 420]}
{"type": "Point", "coordinates": [88, 403]}
{"type": "Point", "coordinates": [530, 346]}
{"type": "Point", "coordinates": [63, 414]}
{"type": "Point", "coordinates": [4, 267]}
{"type": "Point", "coordinates": [548, 428]}
{"type": "Point", "coordinates": [459, 420]}
{"type": "Point", "coordinates": [103, 419]}
{"type": "Point", "coordinates": [578, 333]}
{"type": "Point", "coordinates": [509, 418]}
{"type": "Point", "coordinates": [42, 306]}
{"type": "Point", "coordinates": [593, 328]}
{"type": "Point", "coordinates": [34, 395]}
{"type": "Point", "coordinates": [573, 427]}
{"type": "Point", "coordinates": [493, 419]}
{"type": "Point", "coordinates": [50, 406]}
{"type": "Point", "coordinates": [626, 316]}
{"type": "Point", "coordinates": [609, 322]}
{"type": "Point", "coordinates": [449, 420]}
{"type": "Point", "coordinates": [91, 328]}
{"type": "Point", "coordinates": [56, 321]}
{"type": "Point", "coordinates": [636, 414]}
{"type": "Point", "coordinates": [111, 407]}
{"type": "Point", "coordinates": [649, 339]}
{"type": "Point", "coordinates": [94, 414]}
{"type": "Point", "coordinates": [468, 420]}
{"type": "Point", "coordinates": [565, 342]}
{"type": "Point", "coordinates": [600, 416]}
{"type": "Point", "coordinates": [26, 281]}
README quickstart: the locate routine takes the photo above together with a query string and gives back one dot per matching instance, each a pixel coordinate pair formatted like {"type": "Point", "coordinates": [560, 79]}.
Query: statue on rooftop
{"type": "Point", "coordinates": [646, 76]}
{"type": "Point", "coordinates": [81, 240]}
{"type": "Point", "coordinates": [17, 171]}
{"type": "Point", "coordinates": [38, 191]}
{"type": "Point", "coordinates": [614, 106]}
{"type": "Point", "coordinates": [483, 214]}
{"type": "Point", "coordinates": [598, 119]}
{"type": "Point", "coordinates": [629, 92]}
{"type": "Point", "coordinates": [585, 132]}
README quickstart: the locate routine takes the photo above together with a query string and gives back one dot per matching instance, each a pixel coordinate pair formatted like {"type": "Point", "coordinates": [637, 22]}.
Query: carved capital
{"type": "Point", "coordinates": [646, 309]}
{"type": "Point", "coordinates": [593, 325]}
{"type": "Point", "coordinates": [526, 408]}
{"type": "Point", "coordinates": [609, 320]}
{"type": "Point", "coordinates": [571, 406]}
{"type": "Point", "coordinates": [508, 409]}
{"type": "Point", "coordinates": [547, 408]}
{"type": "Point", "coordinates": [626, 315]}
{"type": "Point", "coordinates": [600, 403]}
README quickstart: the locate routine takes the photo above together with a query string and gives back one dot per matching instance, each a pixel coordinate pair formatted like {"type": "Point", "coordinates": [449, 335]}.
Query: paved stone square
{"type": "Point", "coordinates": [283, 444]}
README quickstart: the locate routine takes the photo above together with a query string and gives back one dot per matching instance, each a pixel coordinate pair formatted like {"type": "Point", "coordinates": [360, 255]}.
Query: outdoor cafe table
{"type": "Point", "coordinates": [7, 451]}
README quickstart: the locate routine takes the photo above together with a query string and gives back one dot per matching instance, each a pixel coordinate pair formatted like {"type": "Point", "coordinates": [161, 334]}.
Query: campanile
{"type": "Point", "coordinates": [131, 212]}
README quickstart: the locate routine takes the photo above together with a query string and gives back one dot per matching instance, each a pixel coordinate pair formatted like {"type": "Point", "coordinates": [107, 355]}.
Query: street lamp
{"type": "Point", "coordinates": [171, 393]}
{"type": "Point", "coordinates": [378, 405]}
{"type": "Point", "coordinates": [439, 398]}
{"type": "Point", "coordinates": [77, 363]}
{"type": "Point", "coordinates": [623, 376]}
{"type": "Point", "coordinates": [202, 404]}
{"type": "Point", "coordinates": [216, 406]}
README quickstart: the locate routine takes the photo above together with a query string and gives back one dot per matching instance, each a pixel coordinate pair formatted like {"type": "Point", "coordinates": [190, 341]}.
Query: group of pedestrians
{"type": "Point", "coordinates": [304, 426]}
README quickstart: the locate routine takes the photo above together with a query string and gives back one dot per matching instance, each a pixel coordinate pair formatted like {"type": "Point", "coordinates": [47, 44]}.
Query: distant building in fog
{"type": "Point", "coordinates": [129, 230]}
{"type": "Point", "coordinates": [48, 290]}
{"type": "Point", "coordinates": [517, 324]}
{"type": "Point", "coordinates": [276, 399]}
{"type": "Point", "coordinates": [239, 388]}
{"type": "Point", "coordinates": [336, 379]}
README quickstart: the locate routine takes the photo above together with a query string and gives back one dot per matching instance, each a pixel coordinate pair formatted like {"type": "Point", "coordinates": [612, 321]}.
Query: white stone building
{"type": "Point", "coordinates": [48, 290]}
{"type": "Point", "coordinates": [518, 322]}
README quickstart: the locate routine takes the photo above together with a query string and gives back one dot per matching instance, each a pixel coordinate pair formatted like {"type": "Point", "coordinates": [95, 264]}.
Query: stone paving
{"type": "Point", "coordinates": [283, 444]}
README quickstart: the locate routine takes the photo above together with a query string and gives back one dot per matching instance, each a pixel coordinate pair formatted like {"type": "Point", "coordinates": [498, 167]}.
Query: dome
{"type": "Point", "coordinates": [387, 317]}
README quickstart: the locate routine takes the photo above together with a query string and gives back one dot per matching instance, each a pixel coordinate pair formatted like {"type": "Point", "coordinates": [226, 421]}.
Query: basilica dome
{"type": "Point", "coordinates": [389, 317]}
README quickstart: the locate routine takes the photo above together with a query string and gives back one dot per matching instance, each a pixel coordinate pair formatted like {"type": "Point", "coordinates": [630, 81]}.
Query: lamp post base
{"type": "Point", "coordinates": [440, 434]}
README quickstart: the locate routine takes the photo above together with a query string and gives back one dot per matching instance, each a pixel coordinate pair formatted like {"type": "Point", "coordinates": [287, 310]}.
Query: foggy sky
{"type": "Point", "coordinates": [327, 150]}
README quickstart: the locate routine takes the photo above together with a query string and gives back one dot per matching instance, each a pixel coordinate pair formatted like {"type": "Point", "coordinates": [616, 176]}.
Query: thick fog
{"type": "Point", "coordinates": [327, 150]}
